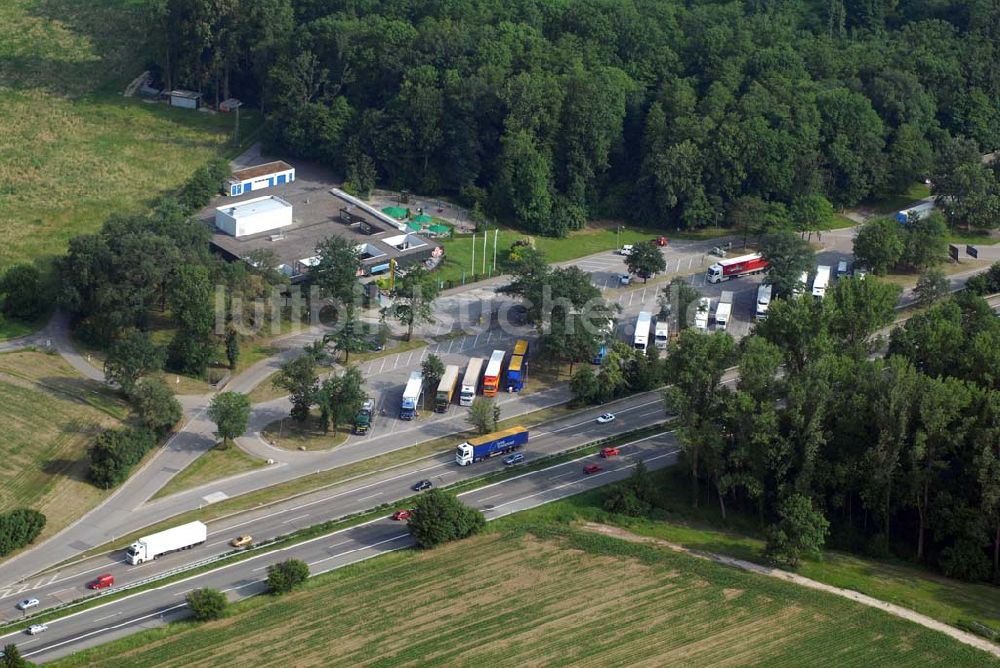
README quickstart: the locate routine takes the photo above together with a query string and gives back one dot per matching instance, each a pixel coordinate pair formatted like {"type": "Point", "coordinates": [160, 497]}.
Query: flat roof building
{"type": "Point", "coordinates": [253, 216]}
{"type": "Point", "coordinates": [258, 177]}
{"type": "Point", "coordinates": [318, 215]}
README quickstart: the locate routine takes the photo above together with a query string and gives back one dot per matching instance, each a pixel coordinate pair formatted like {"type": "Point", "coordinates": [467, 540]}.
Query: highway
{"type": "Point", "coordinates": [153, 607]}
{"type": "Point", "coordinates": [363, 493]}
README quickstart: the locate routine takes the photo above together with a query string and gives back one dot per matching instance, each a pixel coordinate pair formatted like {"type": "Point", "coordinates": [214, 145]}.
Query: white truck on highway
{"type": "Point", "coordinates": [701, 314]}
{"type": "Point", "coordinates": [724, 311]}
{"type": "Point", "coordinates": [156, 545]}
{"type": "Point", "coordinates": [764, 293]}
{"type": "Point", "coordinates": [821, 282]}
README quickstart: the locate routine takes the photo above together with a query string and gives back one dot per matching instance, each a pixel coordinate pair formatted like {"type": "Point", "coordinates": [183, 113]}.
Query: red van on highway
{"type": "Point", "coordinates": [102, 581]}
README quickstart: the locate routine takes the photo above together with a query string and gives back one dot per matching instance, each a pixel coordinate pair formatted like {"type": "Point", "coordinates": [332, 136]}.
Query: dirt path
{"type": "Point", "coordinates": [892, 609]}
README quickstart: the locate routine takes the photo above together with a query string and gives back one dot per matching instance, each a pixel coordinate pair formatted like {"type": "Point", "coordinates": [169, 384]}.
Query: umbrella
{"type": "Point", "coordinates": [423, 218]}
{"type": "Point", "coordinates": [413, 227]}
{"type": "Point", "coordinates": [439, 229]}
{"type": "Point", "coordinates": [395, 212]}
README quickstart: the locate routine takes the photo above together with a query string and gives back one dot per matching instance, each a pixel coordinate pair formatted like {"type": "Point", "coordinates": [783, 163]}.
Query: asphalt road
{"type": "Point", "coordinates": [68, 583]}
{"type": "Point", "coordinates": [154, 607]}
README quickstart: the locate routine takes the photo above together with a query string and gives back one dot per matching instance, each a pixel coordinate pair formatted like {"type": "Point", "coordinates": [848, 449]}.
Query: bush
{"type": "Point", "coordinates": [19, 527]}
{"type": "Point", "coordinates": [207, 604]}
{"type": "Point", "coordinates": [439, 517]}
{"type": "Point", "coordinates": [632, 497]}
{"type": "Point", "coordinates": [285, 576]}
{"type": "Point", "coordinates": [115, 452]}
{"type": "Point", "coordinates": [11, 658]}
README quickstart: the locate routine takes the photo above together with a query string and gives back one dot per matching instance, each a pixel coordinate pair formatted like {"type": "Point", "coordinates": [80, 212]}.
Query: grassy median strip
{"type": "Point", "coordinates": [331, 526]}
{"type": "Point", "coordinates": [317, 482]}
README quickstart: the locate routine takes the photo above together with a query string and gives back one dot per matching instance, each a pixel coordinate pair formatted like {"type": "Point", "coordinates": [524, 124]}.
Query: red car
{"type": "Point", "coordinates": [609, 452]}
{"type": "Point", "coordinates": [403, 514]}
{"type": "Point", "coordinates": [102, 581]}
{"type": "Point", "coordinates": [659, 241]}
{"type": "Point", "coordinates": [591, 468]}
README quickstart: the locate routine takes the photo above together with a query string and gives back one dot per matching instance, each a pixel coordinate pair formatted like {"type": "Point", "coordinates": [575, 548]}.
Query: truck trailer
{"type": "Point", "coordinates": [470, 382]}
{"type": "Point", "coordinates": [764, 292]}
{"type": "Point", "coordinates": [494, 370]}
{"type": "Point", "coordinates": [411, 395]}
{"type": "Point", "coordinates": [821, 282]}
{"type": "Point", "coordinates": [661, 334]}
{"type": "Point", "coordinates": [640, 340]}
{"type": "Point", "coordinates": [734, 267]}
{"type": "Point", "coordinates": [446, 388]}
{"type": "Point", "coordinates": [497, 443]}
{"type": "Point", "coordinates": [724, 311]}
{"type": "Point", "coordinates": [363, 420]}
{"type": "Point", "coordinates": [156, 545]}
{"type": "Point", "coordinates": [702, 310]}
{"type": "Point", "coordinates": [517, 369]}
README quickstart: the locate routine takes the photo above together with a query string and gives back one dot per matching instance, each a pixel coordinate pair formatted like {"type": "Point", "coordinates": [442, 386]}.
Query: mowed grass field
{"type": "Point", "coordinates": [73, 150]}
{"type": "Point", "coordinates": [50, 416]}
{"type": "Point", "coordinates": [537, 592]}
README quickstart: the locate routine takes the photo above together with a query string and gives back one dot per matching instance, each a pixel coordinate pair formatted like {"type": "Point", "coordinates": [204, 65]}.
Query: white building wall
{"type": "Point", "coordinates": [246, 218]}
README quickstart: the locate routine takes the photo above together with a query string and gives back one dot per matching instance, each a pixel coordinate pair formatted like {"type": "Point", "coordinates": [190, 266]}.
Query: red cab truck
{"type": "Point", "coordinates": [734, 267]}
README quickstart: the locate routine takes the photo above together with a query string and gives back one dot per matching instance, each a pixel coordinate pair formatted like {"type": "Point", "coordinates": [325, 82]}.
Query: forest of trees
{"type": "Point", "coordinates": [673, 114]}
{"type": "Point", "coordinates": [898, 454]}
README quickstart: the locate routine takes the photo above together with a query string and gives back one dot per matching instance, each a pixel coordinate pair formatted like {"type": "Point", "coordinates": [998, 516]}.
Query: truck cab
{"type": "Point", "coordinates": [363, 420]}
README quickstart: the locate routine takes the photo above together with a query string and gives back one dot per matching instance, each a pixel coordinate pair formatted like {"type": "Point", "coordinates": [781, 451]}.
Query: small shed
{"type": "Point", "coordinates": [187, 99]}
{"type": "Point", "coordinates": [259, 177]}
{"type": "Point", "coordinates": [230, 104]}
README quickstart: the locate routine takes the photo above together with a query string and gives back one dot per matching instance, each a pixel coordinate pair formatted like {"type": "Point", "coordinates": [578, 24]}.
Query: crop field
{"type": "Point", "coordinates": [73, 150]}
{"type": "Point", "coordinates": [541, 593]}
{"type": "Point", "coordinates": [50, 416]}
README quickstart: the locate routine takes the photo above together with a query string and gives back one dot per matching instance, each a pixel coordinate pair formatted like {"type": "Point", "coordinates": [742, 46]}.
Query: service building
{"type": "Point", "coordinates": [253, 216]}
{"type": "Point", "coordinates": [252, 179]}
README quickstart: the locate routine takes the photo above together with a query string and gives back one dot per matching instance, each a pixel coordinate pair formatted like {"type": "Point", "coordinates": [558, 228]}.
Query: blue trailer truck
{"type": "Point", "coordinates": [411, 395]}
{"type": "Point", "coordinates": [517, 370]}
{"type": "Point", "coordinates": [497, 443]}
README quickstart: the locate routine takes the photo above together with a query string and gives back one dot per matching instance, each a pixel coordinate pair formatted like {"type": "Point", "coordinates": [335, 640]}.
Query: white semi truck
{"type": "Point", "coordinates": [724, 310]}
{"type": "Point", "coordinates": [641, 337]}
{"type": "Point", "coordinates": [470, 383]}
{"type": "Point", "coordinates": [764, 293]}
{"type": "Point", "coordinates": [821, 282]}
{"type": "Point", "coordinates": [156, 545]}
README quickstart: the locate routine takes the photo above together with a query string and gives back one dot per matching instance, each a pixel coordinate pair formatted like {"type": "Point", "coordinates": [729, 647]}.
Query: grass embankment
{"type": "Point", "coordinates": [292, 435]}
{"type": "Point", "coordinates": [950, 601]}
{"type": "Point", "coordinates": [63, 65]}
{"type": "Point", "coordinates": [535, 590]}
{"type": "Point", "coordinates": [214, 464]}
{"type": "Point", "coordinates": [50, 416]}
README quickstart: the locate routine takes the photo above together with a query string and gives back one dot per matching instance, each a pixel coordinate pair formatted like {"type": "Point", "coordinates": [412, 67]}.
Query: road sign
{"type": "Point", "coordinates": [953, 252]}
{"type": "Point", "coordinates": [972, 251]}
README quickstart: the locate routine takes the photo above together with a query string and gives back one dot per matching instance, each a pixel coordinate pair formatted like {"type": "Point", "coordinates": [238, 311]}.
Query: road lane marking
{"type": "Point", "coordinates": [299, 517]}
{"type": "Point", "coordinates": [363, 547]}
{"type": "Point", "coordinates": [106, 629]}
{"type": "Point", "coordinates": [370, 496]}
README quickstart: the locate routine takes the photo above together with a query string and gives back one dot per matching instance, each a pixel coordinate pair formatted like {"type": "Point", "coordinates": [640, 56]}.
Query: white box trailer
{"type": "Point", "coordinates": [764, 293]}
{"type": "Point", "coordinates": [470, 382]}
{"type": "Point", "coordinates": [701, 314]}
{"type": "Point", "coordinates": [821, 282]}
{"type": "Point", "coordinates": [724, 311]}
{"type": "Point", "coordinates": [640, 339]}
{"type": "Point", "coordinates": [661, 335]}
{"type": "Point", "coordinates": [156, 545]}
